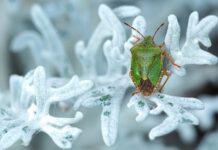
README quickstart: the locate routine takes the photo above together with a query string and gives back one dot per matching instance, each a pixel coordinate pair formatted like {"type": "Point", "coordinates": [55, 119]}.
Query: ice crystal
{"type": "Point", "coordinates": [31, 97]}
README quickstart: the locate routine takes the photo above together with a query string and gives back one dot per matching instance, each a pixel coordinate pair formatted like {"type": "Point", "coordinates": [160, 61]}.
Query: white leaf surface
{"type": "Point", "coordinates": [190, 52]}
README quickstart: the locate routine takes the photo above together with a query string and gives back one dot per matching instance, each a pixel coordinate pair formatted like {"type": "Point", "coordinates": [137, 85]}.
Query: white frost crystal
{"type": "Point", "coordinates": [28, 112]}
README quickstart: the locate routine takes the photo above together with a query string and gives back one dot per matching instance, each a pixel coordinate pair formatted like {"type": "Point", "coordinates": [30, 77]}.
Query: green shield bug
{"type": "Point", "coordinates": [147, 64]}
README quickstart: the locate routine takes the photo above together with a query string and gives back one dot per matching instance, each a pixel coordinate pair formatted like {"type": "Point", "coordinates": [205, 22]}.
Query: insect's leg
{"type": "Point", "coordinates": [137, 39]}
{"type": "Point", "coordinates": [167, 74]}
{"type": "Point", "coordinates": [136, 92]}
{"type": "Point", "coordinates": [157, 88]}
{"type": "Point", "coordinates": [130, 74]}
{"type": "Point", "coordinates": [141, 88]}
{"type": "Point", "coordinates": [169, 57]}
{"type": "Point", "coordinates": [162, 45]}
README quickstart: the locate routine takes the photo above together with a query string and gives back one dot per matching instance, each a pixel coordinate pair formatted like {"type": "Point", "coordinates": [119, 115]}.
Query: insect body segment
{"type": "Point", "coordinates": [147, 67]}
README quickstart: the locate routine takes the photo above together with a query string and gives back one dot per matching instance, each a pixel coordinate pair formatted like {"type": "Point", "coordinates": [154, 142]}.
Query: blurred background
{"type": "Point", "coordinates": [76, 20]}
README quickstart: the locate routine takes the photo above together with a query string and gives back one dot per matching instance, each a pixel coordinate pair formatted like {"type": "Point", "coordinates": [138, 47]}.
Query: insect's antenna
{"type": "Point", "coordinates": [157, 30]}
{"type": "Point", "coordinates": [134, 29]}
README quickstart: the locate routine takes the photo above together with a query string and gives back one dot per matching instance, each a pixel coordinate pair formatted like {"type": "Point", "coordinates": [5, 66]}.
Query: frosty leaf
{"type": "Point", "coordinates": [106, 93]}
{"type": "Point", "coordinates": [15, 89]}
{"type": "Point", "coordinates": [99, 95]}
{"type": "Point", "coordinates": [87, 54]}
{"type": "Point", "coordinates": [110, 118]}
{"type": "Point", "coordinates": [62, 137]}
{"type": "Point", "coordinates": [32, 40]}
{"type": "Point", "coordinates": [44, 25]}
{"type": "Point", "coordinates": [206, 116]}
{"type": "Point", "coordinates": [46, 49]}
{"type": "Point", "coordinates": [187, 133]}
{"type": "Point", "coordinates": [73, 88]}
{"type": "Point", "coordinates": [190, 53]}
{"type": "Point", "coordinates": [109, 19]}
{"type": "Point", "coordinates": [39, 83]}
{"type": "Point", "coordinates": [32, 116]}
{"type": "Point", "coordinates": [174, 109]}
{"type": "Point", "coordinates": [110, 99]}
{"type": "Point", "coordinates": [167, 126]}
{"type": "Point", "coordinates": [9, 138]}
{"type": "Point", "coordinates": [140, 105]}
{"type": "Point", "coordinates": [126, 11]}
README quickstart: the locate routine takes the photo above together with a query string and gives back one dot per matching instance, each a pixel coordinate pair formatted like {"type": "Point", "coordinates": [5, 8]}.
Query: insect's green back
{"type": "Point", "coordinates": [147, 62]}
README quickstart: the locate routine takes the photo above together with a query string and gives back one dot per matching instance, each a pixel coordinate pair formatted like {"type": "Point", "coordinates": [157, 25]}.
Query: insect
{"type": "Point", "coordinates": [147, 64]}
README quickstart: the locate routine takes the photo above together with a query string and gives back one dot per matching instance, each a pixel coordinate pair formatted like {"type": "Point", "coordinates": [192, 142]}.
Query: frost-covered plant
{"type": "Point", "coordinates": [206, 117]}
{"type": "Point", "coordinates": [190, 53]}
{"type": "Point", "coordinates": [197, 32]}
{"type": "Point", "coordinates": [173, 107]}
{"type": "Point", "coordinates": [109, 88]}
{"type": "Point", "coordinates": [28, 113]}
{"type": "Point", "coordinates": [46, 49]}
{"type": "Point", "coordinates": [110, 72]}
